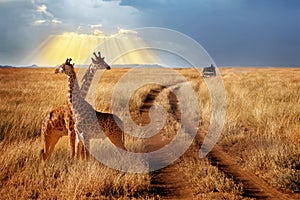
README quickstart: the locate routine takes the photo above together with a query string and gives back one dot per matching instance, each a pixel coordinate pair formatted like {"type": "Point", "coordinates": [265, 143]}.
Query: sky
{"type": "Point", "coordinates": [234, 32]}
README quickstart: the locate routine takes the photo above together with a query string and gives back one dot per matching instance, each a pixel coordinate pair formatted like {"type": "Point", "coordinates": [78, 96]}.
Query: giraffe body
{"type": "Point", "coordinates": [59, 122]}
{"type": "Point", "coordinates": [89, 123]}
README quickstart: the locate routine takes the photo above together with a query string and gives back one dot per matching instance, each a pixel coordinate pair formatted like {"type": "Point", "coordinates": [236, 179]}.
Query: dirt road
{"type": "Point", "coordinates": [171, 183]}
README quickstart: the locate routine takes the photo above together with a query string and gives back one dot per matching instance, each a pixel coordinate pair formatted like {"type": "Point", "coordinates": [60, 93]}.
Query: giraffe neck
{"type": "Point", "coordinates": [74, 96]}
{"type": "Point", "coordinates": [86, 81]}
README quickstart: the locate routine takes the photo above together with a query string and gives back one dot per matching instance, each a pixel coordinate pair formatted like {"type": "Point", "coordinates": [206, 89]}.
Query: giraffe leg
{"type": "Point", "coordinates": [79, 148]}
{"type": "Point", "coordinates": [45, 132]}
{"type": "Point", "coordinates": [87, 148]}
{"type": "Point", "coordinates": [115, 132]}
{"type": "Point", "coordinates": [72, 143]}
{"type": "Point", "coordinates": [50, 144]}
{"type": "Point", "coordinates": [71, 131]}
{"type": "Point", "coordinates": [82, 151]}
{"type": "Point", "coordinates": [45, 146]}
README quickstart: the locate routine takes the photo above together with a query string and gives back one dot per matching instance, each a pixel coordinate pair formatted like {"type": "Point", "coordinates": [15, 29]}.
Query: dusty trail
{"type": "Point", "coordinates": [164, 182]}
{"type": "Point", "coordinates": [171, 183]}
{"type": "Point", "coordinates": [254, 186]}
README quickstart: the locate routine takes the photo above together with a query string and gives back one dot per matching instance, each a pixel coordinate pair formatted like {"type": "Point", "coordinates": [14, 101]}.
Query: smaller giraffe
{"type": "Point", "coordinates": [89, 123]}
{"type": "Point", "coordinates": [53, 128]}
{"type": "Point", "coordinates": [59, 122]}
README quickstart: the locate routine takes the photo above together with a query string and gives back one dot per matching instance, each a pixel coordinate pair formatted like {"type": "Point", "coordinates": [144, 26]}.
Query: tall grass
{"type": "Point", "coordinates": [262, 126]}
{"type": "Point", "coordinates": [24, 176]}
{"type": "Point", "coordinates": [262, 130]}
{"type": "Point", "coordinates": [27, 95]}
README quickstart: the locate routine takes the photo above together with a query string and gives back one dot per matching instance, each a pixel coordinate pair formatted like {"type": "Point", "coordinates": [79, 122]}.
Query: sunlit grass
{"type": "Point", "coordinates": [262, 126]}
{"type": "Point", "coordinates": [261, 130]}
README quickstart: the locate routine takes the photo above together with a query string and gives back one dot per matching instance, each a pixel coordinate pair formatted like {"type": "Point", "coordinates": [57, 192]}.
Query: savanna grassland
{"type": "Point", "coordinates": [261, 131]}
{"type": "Point", "coordinates": [262, 127]}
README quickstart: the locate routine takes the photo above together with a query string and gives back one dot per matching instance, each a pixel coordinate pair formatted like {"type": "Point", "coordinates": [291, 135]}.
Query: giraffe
{"type": "Point", "coordinates": [89, 123]}
{"type": "Point", "coordinates": [59, 122]}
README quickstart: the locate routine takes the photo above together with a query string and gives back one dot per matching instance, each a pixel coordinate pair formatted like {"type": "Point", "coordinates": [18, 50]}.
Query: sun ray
{"type": "Point", "coordinates": [117, 49]}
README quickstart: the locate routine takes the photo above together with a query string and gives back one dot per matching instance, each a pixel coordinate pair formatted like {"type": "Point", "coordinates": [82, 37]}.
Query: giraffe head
{"type": "Point", "coordinates": [66, 68]}
{"type": "Point", "coordinates": [98, 63]}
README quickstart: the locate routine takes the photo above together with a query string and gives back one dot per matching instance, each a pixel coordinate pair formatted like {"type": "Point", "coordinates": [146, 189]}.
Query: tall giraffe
{"type": "Point", "coordinates": [89, 123]}
{"type": "Point", "coordinates": [59, 122]}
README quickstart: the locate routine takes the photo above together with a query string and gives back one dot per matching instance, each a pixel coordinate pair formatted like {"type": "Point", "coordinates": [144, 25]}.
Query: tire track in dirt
{"type": "Point", "coordinates": [147, 103]}
{"type": "Point", "coordinates": [170, 183]}
{"type": "Point", "coordinates": [167, 182]}
{"type": "Point", "coordinates": [253, 186]}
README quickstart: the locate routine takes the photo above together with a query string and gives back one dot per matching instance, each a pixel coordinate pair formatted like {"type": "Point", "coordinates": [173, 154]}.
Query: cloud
{"type": "Point", "coordinates": [33, 21]}
{"type": "Point", "coordinates": [233, 32]}
{"type": "Point", "coordinates": [18, 33]}
{"type": "Point", "coordinates": [96, 26]}
{"type": "Point", "coordinates": [147, 4]}
{"type": "Point", "coordinates": [55, 21]}
{"type": "Point", "coordinates": [245, 32]}
{"type": "Point", "coordinates": [99, 33]}
{"type": "Point", "coordinates": [42, 12]}
{"type": "Point", "coordinates": [39, 22]}
{"type": "Point", "coordinates": [127, 31]}
{"type": "Point", "coordinates": [42, 8]}
{"type": "Point", "coordinates": [92, 14]}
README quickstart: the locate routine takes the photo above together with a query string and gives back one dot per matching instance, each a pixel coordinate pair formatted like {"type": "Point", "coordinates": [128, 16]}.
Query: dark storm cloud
{"type": "Point", "coordinates": [21, 29]}
{"type": "Point", "coordinates": [244, 32]}
{"type": "Point", "coordinates": [7, 23]}
{"type": "Point", "coordinates": [146, 4]}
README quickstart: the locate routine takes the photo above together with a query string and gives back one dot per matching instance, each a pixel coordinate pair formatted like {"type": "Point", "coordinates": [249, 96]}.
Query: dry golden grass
{"type": "Point", "coordinates": [262, 130]}
{"type": "Point", "coordinates": [262, 126]}
{"type": "Point", "coordinates": [27, 95]}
